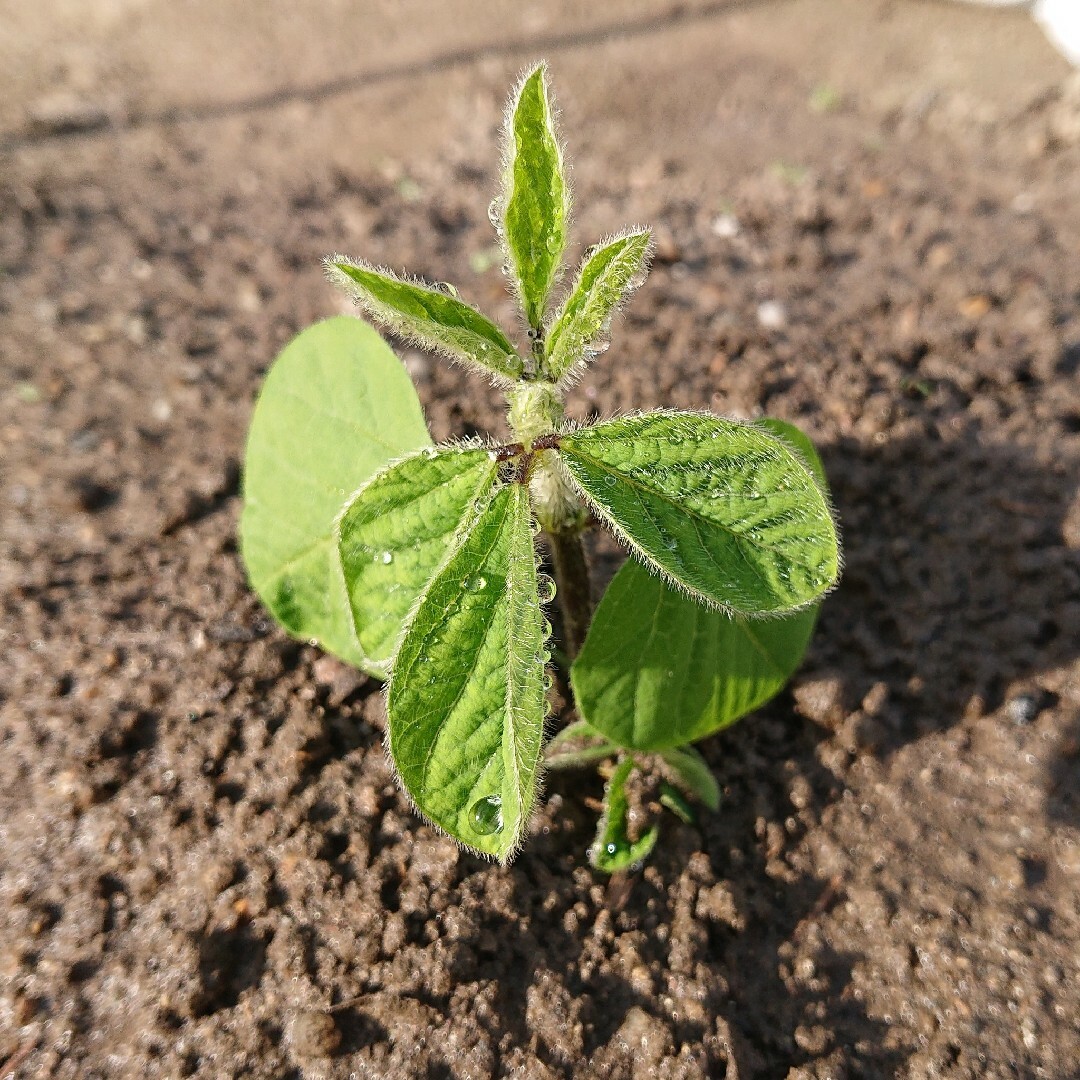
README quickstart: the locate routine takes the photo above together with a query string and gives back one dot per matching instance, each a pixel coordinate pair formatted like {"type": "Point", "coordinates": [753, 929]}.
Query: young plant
{"type": "Point", "coordinates": [420, 563]}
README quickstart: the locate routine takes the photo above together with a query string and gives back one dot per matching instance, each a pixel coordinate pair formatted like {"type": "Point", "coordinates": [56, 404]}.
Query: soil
{"type": "Point", "coordinates": [867, 224]}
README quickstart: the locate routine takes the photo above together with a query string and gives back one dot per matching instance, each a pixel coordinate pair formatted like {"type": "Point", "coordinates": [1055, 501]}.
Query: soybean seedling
{"type": "Point", "coordinates": [420, 563]}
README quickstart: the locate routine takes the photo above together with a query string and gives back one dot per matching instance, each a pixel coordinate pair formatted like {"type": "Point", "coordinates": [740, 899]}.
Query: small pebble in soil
{"type": "Point", "coordinates": [1022, 709]}
{"type": "Point", "coordinates": [313, 1033]}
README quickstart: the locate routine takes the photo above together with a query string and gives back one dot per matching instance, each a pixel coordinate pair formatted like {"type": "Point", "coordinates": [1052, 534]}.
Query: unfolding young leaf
{"type": "Point", "coordinates": [466, 701]}
{"type": "Point", "coordinates": [659, 670]}
{"type": "Point", "coordinates": [336, 406]}
{"type": "Point", "coordinates": [430, 317]}
{"type": "Point", "coordinates": [397, 530]}
{"type": "Point", "coordinates": [605, 279]}
{"type": "Point", "coordinates": [693, 774]}
{"type": "Point", "coordinates": [613, 849]}
{"type": "Point", "coordinates": [536, 199]}
{"type": "Point", "coordinates": [577, 745]}
{"type": "Point", "coordinates": [724, 510]}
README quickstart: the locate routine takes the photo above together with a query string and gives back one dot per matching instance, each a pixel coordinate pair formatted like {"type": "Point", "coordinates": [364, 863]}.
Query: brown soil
{"type": "Point", "coordinates": [205, 866]}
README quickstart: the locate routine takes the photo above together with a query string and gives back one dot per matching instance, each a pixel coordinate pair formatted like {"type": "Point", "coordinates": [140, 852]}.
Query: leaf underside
{"type": "Point", "coordinates": [466, 701]}
{"type": "Point", "coordinates": [429, 317]}
{"type": "Point", "coordinates": [724, 510]}
{"type": "Point", "coordinates": [605, 279]}
{"type": "Point", "coordinates": [658, 670]}
{"type": "Point", "coordinates": [398, 529]}
{"type": "Point", "coordinates": [613, 850]}
{"type": "Point", "coordinates": [336, 406]}
{"type": "Point", "coordinates": [536, 200]}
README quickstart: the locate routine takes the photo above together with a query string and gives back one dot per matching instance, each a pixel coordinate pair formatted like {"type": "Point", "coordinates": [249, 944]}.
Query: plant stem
{"type": "Point", "coordinates": [574, 587]}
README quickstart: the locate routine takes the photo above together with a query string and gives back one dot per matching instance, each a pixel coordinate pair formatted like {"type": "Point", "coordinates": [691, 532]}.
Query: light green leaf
{"type": "Point", "coordinates": [693, 775]}
{"type": "Point", "coordinates": [536, 199]}
{"type": "Point", "coordinates": [397, 530]}
{"type": "Point", "coordinates": [725, 510]}
{"type": "Point", "coordinates": [336, 406]}
{"type": "Point", "coordinates": [613, 849]}
{"type": "Point", "coordinates": [577, 745]}
{"type": "Point", "coordinates": [466, 701]}
{"type": "Point", "coordinates": [608, 274]}
{"type": "Point", "coordinates": [800, 442]}
{"type": "Point", "coordinates": [429, 317]}
{"type": "Point", "coordinates": [659, 670]}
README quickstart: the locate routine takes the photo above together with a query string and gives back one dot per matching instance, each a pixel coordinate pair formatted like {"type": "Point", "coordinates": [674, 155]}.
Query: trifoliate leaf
{"type": "Point", "coordinates": [535, 207]}
{"type": "Point", "coordinates": [466, 701]}
{"type": "Point", "coordinates": [429, 317]}
{"type": "Point", "coordinates": [608, 274]}
{"type": "Point", "coordinates": [336, 406]}
{"type": "Point", "coordinates": [396, 532]}
{"type": "Point", "coordinates": [613, 849]}
{"type": "Point", "coordinates": [724, 510]}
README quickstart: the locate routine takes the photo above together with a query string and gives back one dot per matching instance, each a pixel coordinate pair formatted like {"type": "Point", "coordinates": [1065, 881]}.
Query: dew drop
{"type": "Point", "coordinates": [549, 682]}
{"type": "Point", "coordinates": [495, 212]}
{"type": "Point", "coordinates": [476, 583]}
{"type": "Point", "coordinates": [600, 346]}
{"type": "Point", "coordinates": [385, 557]}
{"type": "Point", "coordinates": [430, 453]}
{"type": "Point", "coordinates": [446, 287]}
{"type": "Point", "coordinates": [545, 589]}
{"type": "Point", "coordinates": [486, 815]}
{"type": "Point", "coordinates": [545, 629]}
{"type": "Point", "coordinates": [612, 848]}
{"type": "Point", "coordinates": [610, 481]}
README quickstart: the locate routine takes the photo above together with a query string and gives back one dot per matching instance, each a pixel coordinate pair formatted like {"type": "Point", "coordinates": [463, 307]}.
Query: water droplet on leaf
{"type": "Point", "coordinates": [476, 583]}
{"type": "Point", "coordinates": [545, 589]}
{"type": "Point", "coordinates": [386, 558]}
{"type": "Point", "coordinates": [486, 815]}
{"type": "Point", "coordinates": [495, 212]}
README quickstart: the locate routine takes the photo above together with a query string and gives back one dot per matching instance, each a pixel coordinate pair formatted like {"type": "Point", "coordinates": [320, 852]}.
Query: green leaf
{"type": "Point", "coordinates": [466, 701]}
{"type": "Point", "coordinates": [577, 745]}
{"type": "Point", "coordinates": [671, 798]}
{"type": "Point", "coordinates": [396, 532]}
{"type": "Point", "coordinates": [607, 276]}
{"type": "Point", "coordinates": [800, 442]}
{"type": "Point", "coordinates": [336, 406]}
{"type": "Point", "coordinates": [693, 775]}
{"type": "Point", "coordinates": [724, 510]}
{"type": "Point", "coordinates": [658, 670]}
{"type": "Point", "coordinates": [613, 849]}
{"type": "Point", "coordinates": [536, 199]}
{"type": "Point", "coordinates": [428, 317]}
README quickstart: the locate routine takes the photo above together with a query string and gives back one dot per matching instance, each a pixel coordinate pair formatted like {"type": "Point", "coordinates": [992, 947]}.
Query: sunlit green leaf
{"type": "Point", "coordinates": [466, 701]}
{"type": "Point", "coordinates": [613, 849]}
{"type": "Point", "coordinates": [724, 510]}
{"type": "Point", "coordinates": [429, 317]}
{"type": "Point", "coordinates": [398, 529]}
{"type": "Point", "coordinates": [336, 406]}
{"type": "Point", "coordinates": [607, 276]}
{"type": "Point", "coordinates": [535, 207]}
{"type": "Point", "coordinates": [660, 670]}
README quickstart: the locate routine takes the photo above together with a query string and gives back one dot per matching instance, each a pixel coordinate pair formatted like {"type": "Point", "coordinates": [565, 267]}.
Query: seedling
{"type": "Point", "coordinates": [420, 563]}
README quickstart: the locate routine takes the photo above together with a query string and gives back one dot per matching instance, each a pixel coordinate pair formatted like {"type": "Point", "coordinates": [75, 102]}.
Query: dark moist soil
{"type": "Point", "coordinates": [206, 868]}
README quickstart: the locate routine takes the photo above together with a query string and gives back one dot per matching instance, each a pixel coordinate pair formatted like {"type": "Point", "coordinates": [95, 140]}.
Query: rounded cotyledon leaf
{"type": "Point", "coordinates": [397, 530]}
{"type": "Point", "coordinates": [466, 700]}
{"type": "Point", "coordinates": [659, 670]}
{"type": "Point", "coordinates": [724, 510]}
{"type": "Point", "coordinates": [336, 406]}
